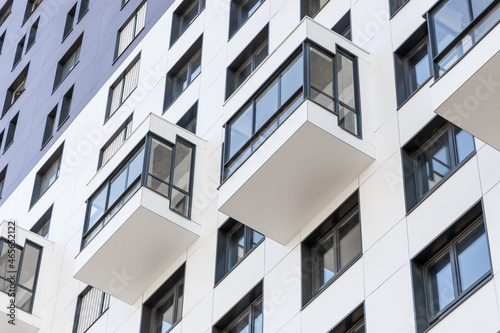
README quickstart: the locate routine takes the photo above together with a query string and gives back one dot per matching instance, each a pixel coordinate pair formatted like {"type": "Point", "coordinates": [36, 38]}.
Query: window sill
{"type": "Point", "coordinates": [444, 179]}
{"type": "Point", "coordinates": [455, 304]}
{"type": "Point", "coordinates": [332, 280]}
{"type": "Point", "coordinates": [66, 36]}
{"type": "Point", "coordinates": [399, 9]}
{"type": "Point", "coordinates": [414, 93]}
{"type": "Point", "coordinates": [6, 17]}
{"type": "Point", "coordinates": [29, 47]}
{"type": "Point", "coordinates": [42, 194]}
{"type": "Point", "coordinates": [15, 64]}
{"type": "Point", "coordinates": [7, 147]}
{"type": "Point", "coordinates": [46, 142]}
{"type": "Point", "coordinates": [182, 33]}
{"type": "Point", "coordinates": [10, 106]}
{"type": "Point", "coordinates": [63, 122]}
{"type": "Point", "coordinates": [239, 262]}
{"type": "Point", "coordinates": [82, 16]}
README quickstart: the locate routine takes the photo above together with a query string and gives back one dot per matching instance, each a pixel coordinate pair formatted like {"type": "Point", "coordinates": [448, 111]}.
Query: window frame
{"type": "Point", "coordinates": [352, 321]}
{"type": "Point", "coordinates": [37, 190]}
{"type": "Point", "coordinates": [343, 26]}
{"type": "Point", "coordinates": [134, 16]}
{"type": "Point", "coordinates": [417, 145]}
{"type": "Point", "coordinates": [79, 301]}
{"type": "Point", "coordinates": [178, 17]}
{"type": "Point", "coordinates": [223, 268]}
{"type": "Point", "coordinates": [5, 11]}
{"type": "Point", "coordinates": [189, 119]}
{"type": "Point", "coordinates": [392, 8]}
{"type": "Point", "coordinates": [70, 21]}
{"type": "Point", "coordinates": [11, 132]}
{"type": "Point", "coordinates": [31, 6]}
{"type": "Point", "coordinates": [235, 13]}
{"type": "Point", "coordinates": [124, 127]}
{"type": "Point", "coordinates": [32, 35]}
{"type": "Point", "coordinates": [3, 176]}
{"type": "Point", "coordinates": [305, 8]}
{"type": "Point", "coordinates": [460, 229]}
{"type": "Point", "coordinates": [329, 227]}
{"type": "Point", "coordinates": [75, 51]}
{"type": "Point", "coordinates": [19, 52]}
{"type": "Point", "coordinates": [12, 94]}
{"type": "Point", "coordinates": [39, 226]}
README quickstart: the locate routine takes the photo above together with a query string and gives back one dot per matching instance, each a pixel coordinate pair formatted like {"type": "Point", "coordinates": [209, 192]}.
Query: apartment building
{"type": "Point", "coordinates": [253, 166]}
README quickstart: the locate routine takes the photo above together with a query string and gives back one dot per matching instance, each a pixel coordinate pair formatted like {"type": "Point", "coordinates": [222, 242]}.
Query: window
{"type": "Point", "coordinates": [32, 35]}
{"type": "Point", "coordinates": [84, 7]}
{"type": "Point", "coordinates": [123, 87]}
{"type": "Point", "coordinates": [116, 141]}
{"type": "Point", "coordinates": [412, 65]}
{"type": "Point", "coordinates": [26, 264]}
{"type": "Point", "coordinates": [188, 120]}
{"type": "Point", "coordinates": [11, 131]}
{"type": "Point", "coordinates": [395, 6]}
{"type": "Point", "coordinates": [70, 19]}
{"type": "Point", "coordinates": [68, 62]}
{"type": "Point", "coordinates": [31, 5]}
{"type": "Point", "coordinates": [49, 126]}
{"type": "Point", "coordinates": [1, 138]}
{"type": "Point", "coordinates": [124, 2]}
{"type": "Point", "coordinates": [90, 306]}
{"type": "Point", "coordinates": [234, 242]}
{"type": "Point", "coordinates": [65, 106]}
{"type": "Point", "coordinates": [451, 268]}
{"type": "Point", "coordinates": [183, 16]}
{"type": "Point", "coordinates": [246, 316]}
{"type": "Point", "coordinates": [354, 322]}
{"type": "Point", "coordinates": [456, 26]}
{"type": "Point", "coordinates": [240, 11]}
{"type": "Point", "coordinates": [3, 173]}
{"type": "Point", "coordinates": [245, 63]}
{"type": "Point", "coordinates": [343, 26]}
{"type": "Point", "coordinates": [5, 11]}
{"type": "Point", "coordinates": [19, 51]}
{"type": "Point", "coordinates": [130, 30]}
{"type": "Point", "coordinates": [15, 90]}
{"type": "Point", "coordinates": [163, 310]}
{"type": "Point", "coordinates": [311, 7]}
{"type": "Point", "coordinates": [331, 82]}
{"type": "Point", "coordinates": [167, 169]}
{"type": "Point", "coordinates": [47, 175]}
{"type": "Point", "coordinates": [331, 249]}
{"type": "Point", "coordinates": [183, 73]}
{"type": "Point", "coordinates": [42, 226]}
{"type": "Point", "coordinates": [2, 39]}
{"type": "Point", "coordinates": [432, 156]}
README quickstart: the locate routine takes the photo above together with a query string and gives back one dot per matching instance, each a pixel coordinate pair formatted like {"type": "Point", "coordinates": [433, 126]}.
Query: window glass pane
{"type": "Point", "coordinates": [235, 245]}
{"type": "Point", "coordinates": [135, 167]}
{"type": "Point", "coordinates": [455, 53]}
{"type": "Point", "coordinates": [321, 68]}
{"type": "Point", "coordinates": [266, 105]}
{"type": "Point", "coordinates": [23, 299]}
{"type": "Point", "coordinates": [117, 186]}
{"type": "Point", "coordinates": [419, 70]}
{"type": "Point", "coordinates": [434, 163]}
{"type": "Point", "coordinates": [50, 176]}
{"type": "Point", "coordinates": [359, 329]}
{"type": "Point", "coordinates": [478, 6]}
{"type": "Point", "coordinates": [5, 264]}
{"type": "Point", "coordinates": [182, 166]}
{"type": "Point", "coordinates": [473, 257]}
{"type": "Point", "coordinates": [322, 99]}
{"type": "Point", "coordinates": [255, 238]}
{"type": "Point", "coordinates": [163, 314]}
{"type": "Point", "coordinates": [29, 266]}
{"type": "Point", "coordinates": [261, 54]}
{"type": "Point", "coordinates": [465, 144]}
{"type": "Point", "coordinates": [350, 240]}
{"type": "Point", "coordinates": [179, 202]}
{"type": "Point", "coordinates": [449, 21]}
{"type": "Point", "coordinates": [180, 300]}
{"type": "Point", "coordinates": [160, 162]}
{"type": "Point", "coordinates": [258, 318]}
{"type": "Point", "coordinates": [97, 206]}
{"type": "Point", "coordinates": [195, 67]}
{"type": "Point", "coordinates": [324, 262]}
{"type": "Point", "coordinates": [345, 77]}
{"type": "Point", "coordinates": [181, 82]}
{"type": "Point", "coordinates": [240, 130]}
{"type": "Point", "coordinates": [292, 79]}
{"type": "Point", "coordinates": [247, 9]}
{"type": "Point", "coordinates": [441, 290]}
{"type": "Point", "coordinates": [242, 325]}
{"type": "Point", "coordinates": [348, 120]}
{"type": "Point", "coordinates": [243, 73]}
{"type": "Point", "coordinates": [487, 23]}
{"type": "Point", "coordinates": [189, 16]}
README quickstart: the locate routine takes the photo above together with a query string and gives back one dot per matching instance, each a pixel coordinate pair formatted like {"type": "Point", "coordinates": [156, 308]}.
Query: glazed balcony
{"type": "Point", "coordinates": [140, 219]}
{"type": "Point", "coordinates": [301, 137]}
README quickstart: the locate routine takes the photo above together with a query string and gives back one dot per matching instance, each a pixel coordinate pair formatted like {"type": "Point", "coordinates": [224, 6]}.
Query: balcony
{"type": "Point", "coordinates": [139, 219]}
{"type": "Point", "coordinates": [32, 277]}
{"type": "Point", "coordinates": [300, 139]}
{"type": "Point", "coordinates": [467, 92]}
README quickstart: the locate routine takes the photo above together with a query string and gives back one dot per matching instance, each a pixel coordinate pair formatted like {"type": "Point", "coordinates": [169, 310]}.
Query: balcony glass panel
{"type": "Point", "coordinates": [141, 169]}
{"type": "Point", "coordinates": [284, 92]}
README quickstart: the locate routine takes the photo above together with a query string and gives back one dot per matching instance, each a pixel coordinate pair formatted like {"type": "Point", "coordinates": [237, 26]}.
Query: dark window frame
{"type": "Point", "coordinates": [11, 132]}
{"type": "Point", "coordinates": [249, 53]}
{"type": "Point", "coordinates": [426, 137]}
{"type": "Point", "coordinates": [395, 6]}
{"type": "Point", "coordinates": [19, 52]}
{"type": "Point", "coordinates": [65, 111]}
{"type": "Point", "coordinates": [330, 226]}
{"type": "Point", "coordinates": [184, 63]}
{"type": "Point", "coordinates": [37, 192]}
{"type": "Point", "coordinates": [461, 228]}
{"type": "Point", "coordinates": [402, 69]}
{"type": "Point", "coordinates": [50, 124]}
{"type": "Point", "coordinates": [134, 16]}
{"type": "Point", "coordinates": [70, 21]}
{"type": "Point", "coordinates": [189, 120]}
{"type": "Point", "coordinates": [76, 47]}
{"type": "Point", "coordinates": [235, 20]}
{"type": "Point", "coordinates": [2, 39]}
{"type": "Point", "coordinates": [31, 6]}
{"type": "Point", "coordinates": [84, 8]}
{"type": "Point", "coordinates": [343, 26]}
{"type": "Point", "coordinates": [473, 24]}
{"type": "Point", "coordinates": [32, 35]}
{"type": "Point", "coordinates": [223, 268]}
{"type": "Point", "coordinates": [352, 321]}
{"type": "Point", "coordinates": [112, 139]}
{"type": "Point", "coordinates": [13, 94]}
{"type": "Point", "coordinates": [5, 11]}
{"type": "Point", "coordinates": [305, 8]}
{"type": "Point", "coordinates": [102, 310]}
{"type": "Point", "coordinates": [178, 17]}
{"type": "Point", "coordinates": [38, 227]}
{"type": "Point", "coordinates": [3, 176]}
{"type": "Point", "coordinates": [170, 285]}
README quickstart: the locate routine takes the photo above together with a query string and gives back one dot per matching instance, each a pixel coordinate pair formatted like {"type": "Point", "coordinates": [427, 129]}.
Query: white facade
{"type": "Point", "coordinates": [133, 254]}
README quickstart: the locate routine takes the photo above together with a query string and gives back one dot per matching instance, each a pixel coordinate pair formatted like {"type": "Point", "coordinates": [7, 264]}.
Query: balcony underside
{"type": "Point", "coordinates": [469, 94]}
{"type": "Point", "coordinates": [295, 173]}
{"type": "Point", "coordinates": [24, 322]}
{"type": "Point", "coordinates": [135, 247]}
